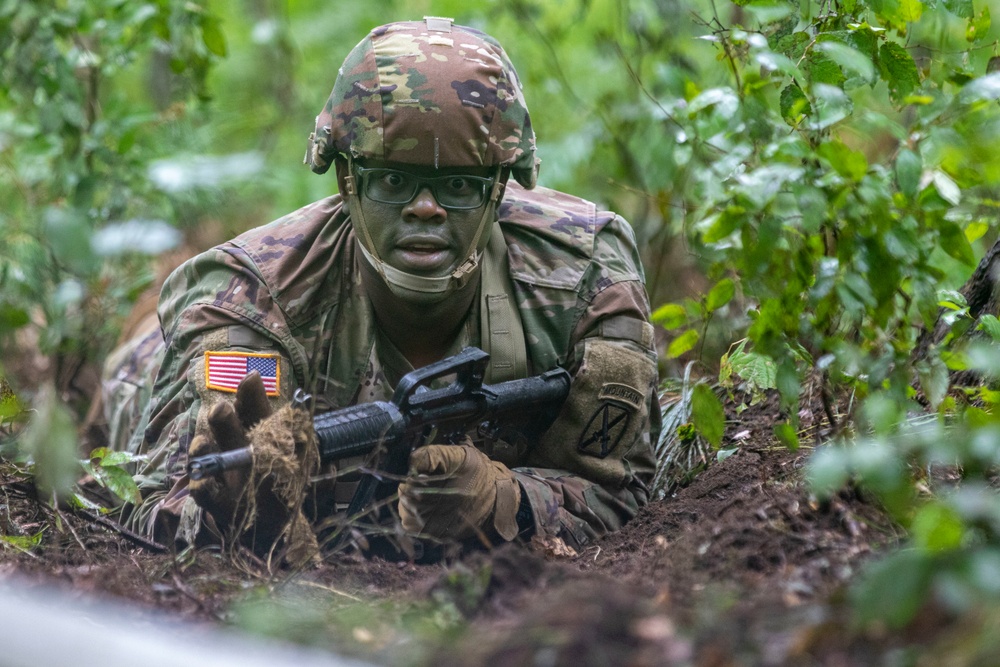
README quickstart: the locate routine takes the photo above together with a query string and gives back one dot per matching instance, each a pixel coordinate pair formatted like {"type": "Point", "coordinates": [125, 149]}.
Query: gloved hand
{"type": "Point", "coordinates": [455, 491]}
{"type": "Point", "coordinates": [261, 505]}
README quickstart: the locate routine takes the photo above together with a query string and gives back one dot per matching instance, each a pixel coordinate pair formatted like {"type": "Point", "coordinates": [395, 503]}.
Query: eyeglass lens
{"type": "Point", "coordinates": [390, 186]}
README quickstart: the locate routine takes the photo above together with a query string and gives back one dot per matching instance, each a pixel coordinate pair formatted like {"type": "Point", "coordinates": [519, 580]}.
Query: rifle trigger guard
{"type": "Point", "coordinates": [488, 431]}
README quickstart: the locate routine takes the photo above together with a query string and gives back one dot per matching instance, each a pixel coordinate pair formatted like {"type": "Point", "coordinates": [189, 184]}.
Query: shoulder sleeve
{"type": "Point", "coordinates": [217, 318]}
{"type": "Point", "coordinates": [591, 471]}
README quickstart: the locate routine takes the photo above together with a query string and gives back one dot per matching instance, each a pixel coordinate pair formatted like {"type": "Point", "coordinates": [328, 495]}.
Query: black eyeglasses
{"type": "Point", "coordinates": [455, 191]}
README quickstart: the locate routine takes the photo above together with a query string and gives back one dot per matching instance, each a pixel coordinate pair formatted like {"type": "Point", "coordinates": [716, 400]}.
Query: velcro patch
{"type": "Point", "coordinates": [622, 394]}
{"type": "Point", "coordinates": [604, 430]}
{"type": "Point", "coordinates": [224, 370]}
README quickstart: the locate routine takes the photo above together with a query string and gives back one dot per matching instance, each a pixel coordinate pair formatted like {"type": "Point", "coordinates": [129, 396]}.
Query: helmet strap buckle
{"type": "Point", "coordinates": [462, 273]}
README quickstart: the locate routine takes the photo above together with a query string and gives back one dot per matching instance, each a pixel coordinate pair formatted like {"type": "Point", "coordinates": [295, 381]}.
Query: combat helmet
{"type": "Point", "coordinates": [427, 92]}
{"type": "Point", "coordinates": [430, 93]}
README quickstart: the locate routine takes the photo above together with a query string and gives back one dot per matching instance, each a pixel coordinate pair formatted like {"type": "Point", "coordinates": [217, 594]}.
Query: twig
{"type": "Point", "coordinates": [125, 532]}
{"type": "Point", "coordinates": [305, 582]}
{"type": "Point", "coordinates": [71, 529]}
{"type": "Point", "coordinates": [825, 395]}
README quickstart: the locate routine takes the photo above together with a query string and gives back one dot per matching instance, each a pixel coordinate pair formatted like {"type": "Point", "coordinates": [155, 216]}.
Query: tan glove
{"type": "Point", "coordinates": [261, 505]}
{"type": "Point", "coordinates": [455, 491]}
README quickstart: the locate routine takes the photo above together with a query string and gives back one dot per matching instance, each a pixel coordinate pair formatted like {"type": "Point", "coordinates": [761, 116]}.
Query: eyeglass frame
{"type": "Point", "coordinates": [488, 185]}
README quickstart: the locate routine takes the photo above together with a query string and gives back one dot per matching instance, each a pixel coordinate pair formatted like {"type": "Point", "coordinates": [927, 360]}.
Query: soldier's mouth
{"type": "Point", "coordinates": [423, 255]}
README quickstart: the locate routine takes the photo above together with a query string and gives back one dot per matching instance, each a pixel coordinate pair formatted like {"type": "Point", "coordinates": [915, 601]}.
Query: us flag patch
{"type": "Point", "coordinates": [225, 370]}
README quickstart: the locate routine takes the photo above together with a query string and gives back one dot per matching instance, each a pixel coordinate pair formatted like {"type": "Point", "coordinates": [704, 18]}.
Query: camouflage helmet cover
{"type": "Point", "coordinates": [427, 92]}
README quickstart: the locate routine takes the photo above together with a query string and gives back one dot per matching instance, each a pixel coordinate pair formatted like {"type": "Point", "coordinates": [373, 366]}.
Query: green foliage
{"type": "Point", "coordinates": [397, 633]}
{"type": "Point", "coordinates": [81, 216]}
{"type": "Point", "coordinates": [836, 189]}
{"type": "Point", "coordinates": [693, 425]}
{"type": "Point", "coordinates": [23, 543]}
{"type": "Point", "coordinates": [50, 442]}
{"type": "Point", "coordinates": [73, 156]}
{"type": "Point", "coordinates": [109, 469]}
{"type": "Point", "coordinates": [753, 372]}
{"type": "Point", "coordinates": [707, 414]}
{"type": "Point", "coordinates": [954, 533]}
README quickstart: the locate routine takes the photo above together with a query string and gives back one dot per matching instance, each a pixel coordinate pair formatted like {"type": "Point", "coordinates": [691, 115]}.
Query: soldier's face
{"type": "Point", "coordinates": [423, 220]}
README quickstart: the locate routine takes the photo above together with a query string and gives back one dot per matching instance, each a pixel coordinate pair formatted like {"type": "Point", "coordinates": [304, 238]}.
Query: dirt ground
{"type": "Point", "coordinates": [740, 567]}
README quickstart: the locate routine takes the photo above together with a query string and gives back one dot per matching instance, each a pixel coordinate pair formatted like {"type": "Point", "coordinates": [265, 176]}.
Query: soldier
{"type": "Point", "coordinates": [439, 240]}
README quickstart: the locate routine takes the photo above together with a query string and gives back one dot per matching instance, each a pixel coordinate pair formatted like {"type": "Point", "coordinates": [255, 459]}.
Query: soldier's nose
{"type": "Point", "coordinates": [424, 206]}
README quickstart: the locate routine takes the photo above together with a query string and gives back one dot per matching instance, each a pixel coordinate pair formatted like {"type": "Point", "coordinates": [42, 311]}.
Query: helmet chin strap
{"type": "Point", "coordinates": [409, 286]}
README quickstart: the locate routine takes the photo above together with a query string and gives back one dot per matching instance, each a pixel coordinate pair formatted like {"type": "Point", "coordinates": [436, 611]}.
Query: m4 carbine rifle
{"type": "Point", "coordinates": [415, 412]}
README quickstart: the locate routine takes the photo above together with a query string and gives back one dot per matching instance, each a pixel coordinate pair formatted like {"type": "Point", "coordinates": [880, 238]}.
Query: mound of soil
{"type": "Point", "coordinates": [742, 566]}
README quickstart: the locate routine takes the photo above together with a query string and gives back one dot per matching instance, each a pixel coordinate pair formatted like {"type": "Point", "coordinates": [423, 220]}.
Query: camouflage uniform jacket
{"type": "Point", "coordinates": [291, 290]}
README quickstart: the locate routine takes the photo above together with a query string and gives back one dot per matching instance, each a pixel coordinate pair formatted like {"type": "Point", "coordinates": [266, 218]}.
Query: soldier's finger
{"type": "Point", "coordinates": [202, 445]}
{"type": "Point", "coordinates": [252, 405]}
{"type": "Point", "coordinates": [226, 427]}
{"type": "Point", "coordinates": [436, 459]}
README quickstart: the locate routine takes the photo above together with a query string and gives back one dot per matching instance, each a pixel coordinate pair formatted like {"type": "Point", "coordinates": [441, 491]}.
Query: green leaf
{"type": "Point", "coordinates": [898, 70]}
{"type": "Point", "coordinates": [769, 12]}
{"type": "Point", "coordinates": [10, 406]}
{"type": "Point", "coordinates": [934, 380]}
{"type": "Point", "coordinates": [976, 230]}
{"type": "Point", "coordinates": [683, 343]}
{"type": "Point", "coordinates": [823, 69]}
{"type": "Point", "coordinates": [724, 454]}
{"type": "Point", "coordinates": [725, 223]}
{"type": "Point", "coordinates": [937, 527]}
{"type": "Point", "coordinates": [813, 205]}
{"type": "Point", "coordinates": [68, 234]}
{"type": "Point", "coordinates": [109, 457]}
{"type": "Point", "coordinates": [670, 316]}
{"type": "Point", "coordinates": [757, 370]}
{"type": "Point", "coordinates": [850, 59]}
{"type": "Point", "coordinates": [962, 8]}
{"type": "Point", "coordinates": [119, 482]}
{"type": "Point", "coordinates": [792, 45]}
{"type": "Point", "coordinates": [894, 588]}
{"type": "Point", "coordinates": [832, 106]}
{"type": "Point", "coordinates": [786, 435]}
{"type": "Point", "coordinates": [212, 35]}
{"type": "Point", "coordinates": [856, 285]}
{"type": "Point", "coordinates": [952, 241]}
{"type": "Point", "coordinates": [947, 188]}
{"type": "Point", "coordinates": [720, 295]}
{"type": "Point", "coordinates": [707, 414]}
{"type": "Point", "coordinates": [12, 317]}
{"type": "Point", "coordinates": [979, 27]}
{"type": "Point", "coordinates": [984, 89]}
{"type": "Point", "coordinates": [775, 62]}
{"type": "Point", "coordinates": [828, 470]}
{"type": "Point", "coordinates": [911, 10]}
{"type": "Point", "coordinates": [951, 299]}
{"type": "Point", "coordinates": [848, 163]}
{"type": "Point", "coordinates": [22, 542]}
{"type": "Point", "coordinates": [991, 325]}
{"type": "Point", "coordinates": [50, 439]}
{"type": "Point", "coordinates": [908, 170]}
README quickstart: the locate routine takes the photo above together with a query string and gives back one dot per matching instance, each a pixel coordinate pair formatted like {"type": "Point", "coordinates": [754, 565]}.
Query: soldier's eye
{"type": "Point", "coordinates": [459, 185]}
{"type": "Point", "coordinates": [392, 180]}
